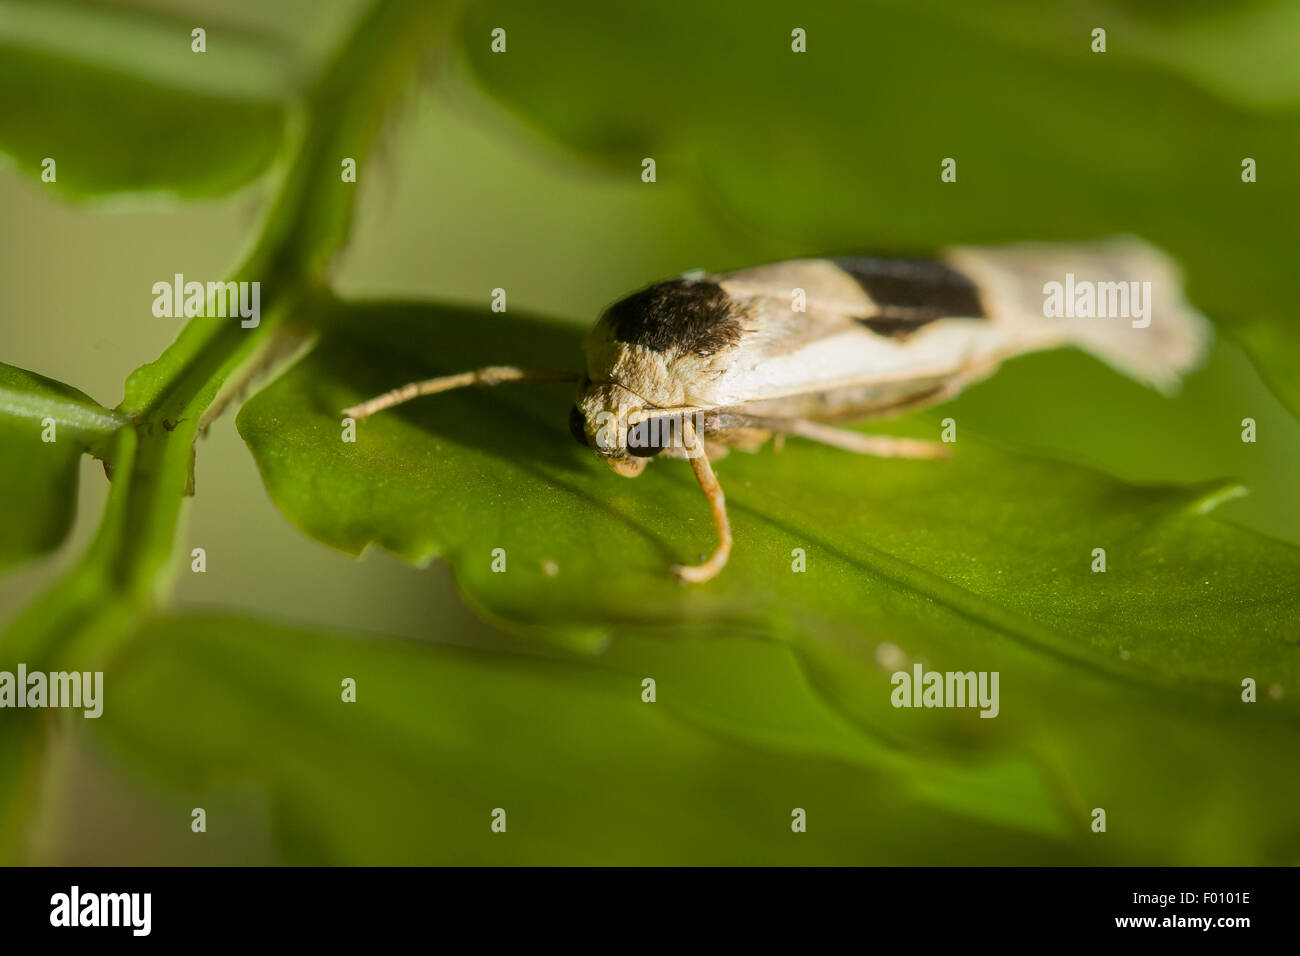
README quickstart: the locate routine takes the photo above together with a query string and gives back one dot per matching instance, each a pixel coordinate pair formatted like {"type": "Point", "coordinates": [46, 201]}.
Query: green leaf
{"type": "Point", "coordinates": [45, 427]}
{"type": "Point", "coordinates": [839, 149]}
{"type": "Point", "coordinates": [118, 100]}
{"type": "Point", "coordinates": [982, 563]}
{"type": "Point", "coordinates": [586, 771]}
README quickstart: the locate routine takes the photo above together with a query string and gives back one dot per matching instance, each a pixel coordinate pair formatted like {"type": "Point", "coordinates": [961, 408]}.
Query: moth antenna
{"type": "Point", "coordinates": [491, 375]}
{"type": "Point", "coordinates": [717, 502]}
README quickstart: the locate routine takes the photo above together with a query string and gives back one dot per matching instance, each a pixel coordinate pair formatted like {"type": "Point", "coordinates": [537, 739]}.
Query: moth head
{"type": "Point", "coordinates": [609, 419]}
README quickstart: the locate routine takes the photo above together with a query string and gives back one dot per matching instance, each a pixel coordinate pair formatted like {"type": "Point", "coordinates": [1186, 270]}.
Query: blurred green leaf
{"type": "Point", "coordinates": [115, 96]}
{"type": "Point", "coordinates": [1241, 52]}
{"type": "Point", "coordinates": [586, 772]}
{"type": "Point", "coordinates": [151, 42]}
{"type": "Point", "coordinates": [838, 149]}
{"type": "Point", "coordinates": [38, 478]}
{"type": "Point", "coordinates": [20, 776]}
{"type": "Point", "coordinates": [982, 563]}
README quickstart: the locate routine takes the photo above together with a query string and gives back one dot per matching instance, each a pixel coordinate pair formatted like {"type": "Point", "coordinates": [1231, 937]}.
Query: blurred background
{"type": "Point", "coordinates": [523, 172]}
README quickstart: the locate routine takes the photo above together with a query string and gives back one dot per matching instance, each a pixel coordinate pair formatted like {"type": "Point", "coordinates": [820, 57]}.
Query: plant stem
{"type": "Point", "coordinates": [95, 607]}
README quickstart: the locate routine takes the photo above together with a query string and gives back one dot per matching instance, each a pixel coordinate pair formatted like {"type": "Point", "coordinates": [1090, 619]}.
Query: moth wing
{"type": "Point", "coordinates": [892, 323]}
{"type": "Point", "coordinates": [895, 323]}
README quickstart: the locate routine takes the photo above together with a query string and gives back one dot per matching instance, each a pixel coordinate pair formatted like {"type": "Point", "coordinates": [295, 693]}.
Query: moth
{"type": "Point", "coordinates": [697, 365]}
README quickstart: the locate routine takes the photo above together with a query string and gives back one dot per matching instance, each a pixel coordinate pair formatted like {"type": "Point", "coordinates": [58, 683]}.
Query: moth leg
{"type": "Point", "coordinates": [717, 502]}
{"type": "Point", "coordinates": [491, 375]}
{"type": "Point", "coordinates": [716, 450]}
{"type": "Point", "coordinates": [878, 446]}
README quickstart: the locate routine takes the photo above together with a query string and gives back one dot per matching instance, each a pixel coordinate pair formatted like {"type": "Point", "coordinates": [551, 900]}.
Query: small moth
{"type": "Point", "coordinates": [693, 366]}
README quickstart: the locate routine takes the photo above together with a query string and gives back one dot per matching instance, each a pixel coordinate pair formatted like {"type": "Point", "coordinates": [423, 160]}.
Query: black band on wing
{"type": "Point", "coordinates": [911, 293]}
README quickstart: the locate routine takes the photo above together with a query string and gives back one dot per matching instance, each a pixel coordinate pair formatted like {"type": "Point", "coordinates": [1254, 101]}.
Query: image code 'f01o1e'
{"type": "Point", "coordinates": [699, 364]}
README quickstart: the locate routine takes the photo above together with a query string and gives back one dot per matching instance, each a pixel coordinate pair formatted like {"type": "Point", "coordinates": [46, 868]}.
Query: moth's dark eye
{"type": "Point", "coordinates": [646, 439]}
{"type": "Point", "coordinates": [578, 425]}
